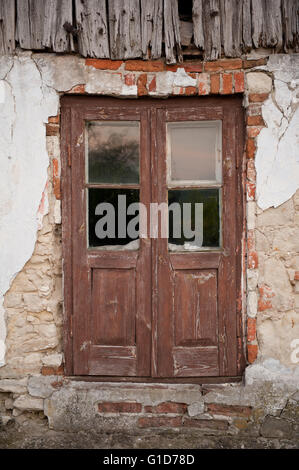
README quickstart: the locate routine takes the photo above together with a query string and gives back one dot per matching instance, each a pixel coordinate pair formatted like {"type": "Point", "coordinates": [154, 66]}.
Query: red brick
{"type": "Point", "coordinates": [55, 167]}
{"type": "Point", "coordinates": [250, 240]}
{"type": "Point", "coordinates": [145, 66]}
{"type": "Point", "coordinates": [54, 119]}
{"type": "Point", "coordinates": [216, 424]}
{"type": "Point", "coordinates": [57, 187]}
{"type": "Point", "coordinates": [130, 79]}
{"type": "Point", "coordinates": [252, 351]}
{"type": "Point", "coordinates": [296, 276]}
{"type": "Point", "coordinates": [160, 421]}
{"type": "Point", "coordinates": [167, 407]}
{"type": "Point", "coordinates": [239, 82]}
{"type": "Point", "coordinates": [119, 407]}
{"type": "Point", "coordinates": [229, 410]}
{"type": "Point", "coordinates": [253, 131]}
{"type": "Point", "coordinates": [255, 121]}
{"type": "Point", "coordinates": [250, 187]}
{"type": "Point", "coordinates": [266, 294]}
{"type": "Point", "coordinates": [227, 83]}
{"type": "Point", "coordinates": [78, 89]}
{"type": "Point", "coordinates": [215, 83]}
{"type": "Point", "coordinates": [252, 260]}
{"type": "Point", "coordinates": [52, 129]}
{"type": "Point", "coordinates": [46, 370]}
{"type": "Point", "coordinates": [251, 329]}
{"type": "Point", "coordinates": [203, 87]}
{"type": "Point", "coordinates": [141, 85]}
{"type": "Point", "coordinates": [152, 85]}
{"type": "Point", "coordinates": [193, 66]}
{"type": "Point", "coordinates": [103, 64]}
{"type": "Point", "coordinates": [224, 64]}
{"type": "Point", "coordinates": [57, 384]}
{"type": "Point", "coordinates": [248, 64]}
{"type": "Point", "coordinates": [251, 173]}
{"type": "Point", "coordinates": [190, 90]}
{"type": "Point", "coordinates": [250, 148]}
{"type": "Point", "coordinates": [257, 97]}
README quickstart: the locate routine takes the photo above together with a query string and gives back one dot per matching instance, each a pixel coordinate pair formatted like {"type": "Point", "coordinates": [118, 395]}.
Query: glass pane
{"type": "Point", "coordinates": [194, 151]}
{"type": "Point", "coordinates": [108, 223]}
{"type": "Point", "coordinates": [194, 219]}
{"type": "Point", "coordinates": [113, 152]}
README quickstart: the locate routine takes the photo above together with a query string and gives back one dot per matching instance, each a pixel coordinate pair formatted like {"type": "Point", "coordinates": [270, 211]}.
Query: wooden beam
{"type": "Point", "coordinates": [124, 29]}
{"type": "Point", "coordinates": [151, 28]}
{"type": "Point", "coordinates": [7, 27]}
{"type": "Point", "coordinates": [172, 38]}
{"type": "Point", "coordinates": [92, 28]}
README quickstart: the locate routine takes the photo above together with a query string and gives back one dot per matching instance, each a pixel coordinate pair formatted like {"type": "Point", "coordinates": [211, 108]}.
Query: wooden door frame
{"type": "Point", "coordinates": [69, 104]}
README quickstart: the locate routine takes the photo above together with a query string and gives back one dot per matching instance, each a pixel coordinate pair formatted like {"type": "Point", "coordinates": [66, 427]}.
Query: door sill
{"type": "Point", "coordinates": [151, 380]}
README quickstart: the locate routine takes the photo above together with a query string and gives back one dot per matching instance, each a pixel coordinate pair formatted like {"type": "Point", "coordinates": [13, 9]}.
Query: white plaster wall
{"type": "Point", "coordinates": [24, 108]}
{"type": "Point", "coordinates": [277, 157]}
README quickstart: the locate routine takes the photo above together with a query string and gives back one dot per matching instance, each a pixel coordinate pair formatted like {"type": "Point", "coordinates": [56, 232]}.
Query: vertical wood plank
{"type": "Point", "coordinates": [197, 16]}
{"type": "Point", "coordinates": [30, 21]}
{"type": "Point", "coordinates": [212, 29]}
{"type": "Point", "coordinates": [151, 28]}
{"type": "Point", "coordinates": [257, 19]}
{"type": "Point", "coordinates": [57, 20]}
{"type": "Point", "coordinates": [272, 24]}
{"type": "Point", "coordinates": [231, 27]}
{"type": "Point", "coordinates": [172, 38]}
{"type": "Point", "coordinates": [246, 25]}
{"type": "Point", "coordinates": [290, 24]}
{"type": "Point", "coordinates": [124, 29]}
{"type": "Point", "coordinates": [7, 26]}
{"type": "Point", "coordinates": [92, 28]}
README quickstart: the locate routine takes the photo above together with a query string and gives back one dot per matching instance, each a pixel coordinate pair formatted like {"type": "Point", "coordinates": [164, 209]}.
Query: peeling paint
{"type": "Point", "coordinates": [277, 157]}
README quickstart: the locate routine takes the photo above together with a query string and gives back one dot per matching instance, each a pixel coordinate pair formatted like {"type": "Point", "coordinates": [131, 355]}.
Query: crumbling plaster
{"type": "Point", "coordinates": [277, 157]}
{"type": "Point", "coordinates": [30, 86]}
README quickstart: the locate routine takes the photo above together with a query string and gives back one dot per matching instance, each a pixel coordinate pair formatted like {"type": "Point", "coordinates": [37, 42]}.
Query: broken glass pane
{"type": "Point", "coordinates": [113, 152]}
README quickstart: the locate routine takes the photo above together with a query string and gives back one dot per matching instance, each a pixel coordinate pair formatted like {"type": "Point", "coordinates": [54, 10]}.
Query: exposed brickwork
{"type": "Point", "coordinates": [167, 407]}
{"type": "Point", "coordinates": [266, 294]}
{"type": "Point", "coordinates": [104, 64]}
{"type": "Point", "coordinates": [256, 120]}
{"type": "Point", "coordinates": [257, 97]}
{"type": "Point", "coordinates": [206, 424]}
{"type": "Point", "coordinates": [161, 421]}
{"type": "Point", "coordinates": [145, 66]}
{"type": "Point", "coordinates": [215, 83]}
{"type": "Point", "coordinates": [239, 82]}
{"type": "Point", "coordinates": [52, 129]}
{"type": "Point", "coordinates": [141, 85]}
{"type": "Point", "coordinates": [252, 351]}
{"type": "Point", "coordinates": [252, 260]}
{"type": "Point", "coordinates": [248, 64]}
{"type": "Point", "coordinates": [46, 370]}
{"type": "Point", "coordinates": [250, 148]}
{"type": "Point", "coordinates": [120, 407]}
{"type": "Point", "coordinates": [224, 64]}
{"type": "Point", "coordinates": [229, 410]}
{"type": "Point", "coordinates": [251, 329]}
{"type": "Point", "coordinates": [227, 83]}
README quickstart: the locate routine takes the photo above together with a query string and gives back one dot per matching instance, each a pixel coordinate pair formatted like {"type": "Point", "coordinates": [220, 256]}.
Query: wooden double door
{"type": "Point", "coordinates": [153, 306]}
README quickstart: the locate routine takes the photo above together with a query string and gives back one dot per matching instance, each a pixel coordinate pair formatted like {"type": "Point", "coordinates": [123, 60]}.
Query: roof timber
{"type": "Point", "coordinates": [126, 29]}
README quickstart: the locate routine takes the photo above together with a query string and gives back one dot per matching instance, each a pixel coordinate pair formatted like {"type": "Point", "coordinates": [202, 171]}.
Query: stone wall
{"type": "Point", "coordinates": [31, 319]}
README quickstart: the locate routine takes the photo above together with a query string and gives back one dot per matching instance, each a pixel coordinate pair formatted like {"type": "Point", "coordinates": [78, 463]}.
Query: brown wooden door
{"type": "Point", "coordinates": [150, 312]}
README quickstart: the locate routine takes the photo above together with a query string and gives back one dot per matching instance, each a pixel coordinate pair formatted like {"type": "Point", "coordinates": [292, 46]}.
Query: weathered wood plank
{"type": "Point", "coordinates": [151, 28]}
{"type": "Point", "coordinates": [197, 16]}
{"type": "Point", "coordinates": [290, 16]}
{"type": "Point", "coordinates": [57, 25]}
{"type": "Point", "coordinates": [212, 29]}
{"type": "Point", "coordinates": [272, 26]}
{"type": "Point", "coordinates": [231, 27]}
{"type": "Point", "coordinates": [246, 25]}
{"type": "Point", "coordinates": [172, 38]}
{"type": "Point", "coordinates": [92, 28]}
{"type": "Point", "coordinates": [7, 26]}
{"type": "Point", "coordinates": [124, 29]}
{"type": "Point", "coordinates": [257, 20]}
